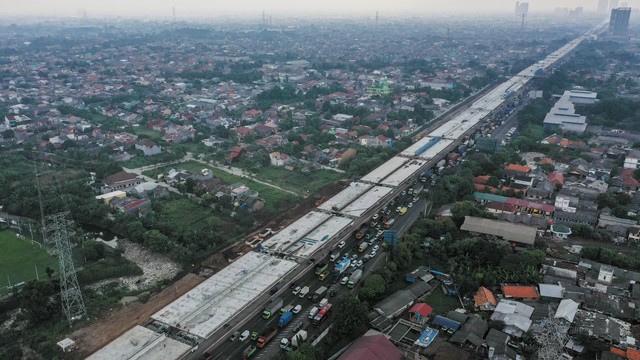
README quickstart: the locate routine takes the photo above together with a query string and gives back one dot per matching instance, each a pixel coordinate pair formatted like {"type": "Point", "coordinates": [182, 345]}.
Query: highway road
{"type": "Point", "coordinates": [221, 348]}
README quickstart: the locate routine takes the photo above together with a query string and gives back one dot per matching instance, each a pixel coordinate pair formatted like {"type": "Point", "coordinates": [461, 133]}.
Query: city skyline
{"type": "Point", "coordinates": [249, 8]}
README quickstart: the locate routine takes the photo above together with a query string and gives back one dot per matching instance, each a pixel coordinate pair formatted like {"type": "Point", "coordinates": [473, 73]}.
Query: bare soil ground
{"type": "Point", "coordinates": [100, 331]}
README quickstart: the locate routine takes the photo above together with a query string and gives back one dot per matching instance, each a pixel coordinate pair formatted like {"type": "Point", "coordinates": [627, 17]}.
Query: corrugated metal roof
{"type": "Point", "coordinates": [511, 232]}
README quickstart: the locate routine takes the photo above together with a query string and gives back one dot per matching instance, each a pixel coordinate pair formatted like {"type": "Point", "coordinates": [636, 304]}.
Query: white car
{"type": "Point", "coordinates": [375, 217]}
{"type": "Point", "coordinates": [344, 280]}
{"type": "Point", "coordinates": [297, 309]}
{"type": "Point", "coordinates": [373, 253]}
{"type": "Point", "coordinates": [296, 291]}
{"type": "Point", "coordinates": [375, 248]}
{"type": "Point", "coordinates": [409, 205]}
{"type": "Point", "coordinates": [359, 263]}
{"type": "Point", "coordinates": [341, 244]}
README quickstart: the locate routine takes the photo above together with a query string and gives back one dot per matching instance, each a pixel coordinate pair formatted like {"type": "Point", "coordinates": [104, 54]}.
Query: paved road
{"type": "Point", "coordinates": [251, 319]}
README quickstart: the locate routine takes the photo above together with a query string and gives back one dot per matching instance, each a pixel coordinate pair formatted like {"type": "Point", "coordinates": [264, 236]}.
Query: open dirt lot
{"type": "Point", "coordinates": [101, 331]}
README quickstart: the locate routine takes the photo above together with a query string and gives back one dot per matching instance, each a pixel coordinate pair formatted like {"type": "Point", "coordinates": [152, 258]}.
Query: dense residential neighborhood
{"type": "Point", "coordinates": [458, 188]}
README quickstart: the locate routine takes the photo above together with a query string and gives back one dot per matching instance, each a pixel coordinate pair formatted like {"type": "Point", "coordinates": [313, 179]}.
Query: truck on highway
{"type": "Point", "coordinates": [296, 340]}
{"type": "Point", "coordinates": [319, 293]}
{"type": "Point", "coordinates": [272, 308]}
{"type": "Point", "coordinates": [303, 292]}
{"type": "Point", "coordinates": [341, 266]}
{"type": "Point", "coordinates": [389, 223]}
{"type": "Point", "coordinates": [248, 352]}
{"type": "Point", "coordinates": [355, 277]}
{"type": "Point", "coordinates": [321, 267]}
{"type": "Point", "coordinates": [285, 319]}
{"type": "Point", "coordinates": [363, 246]}
{"type": "Point", "coordinates": [263, 340]}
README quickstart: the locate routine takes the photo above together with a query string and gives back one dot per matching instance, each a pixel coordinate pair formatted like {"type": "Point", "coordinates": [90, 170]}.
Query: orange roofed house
{"type": "Point", "coordinates": [520, 292]}
{"type": "Point", "coordinates": [484, 299]}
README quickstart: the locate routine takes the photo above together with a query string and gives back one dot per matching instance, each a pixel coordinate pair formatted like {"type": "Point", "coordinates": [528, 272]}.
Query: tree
{"type": "Point", "coordinates": [403, 256]}
{"type": "Point", "coordinates": [350, 317]}
{"type": "Point", "coordinates": [38, 300]}
{"type": "Point", "coordinates": [373, 286]}
{"type": "Point", "coordinates": [8, 134]}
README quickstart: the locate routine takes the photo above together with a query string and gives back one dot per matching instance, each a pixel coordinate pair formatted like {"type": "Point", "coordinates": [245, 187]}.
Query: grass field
{"type": "Point", "coordinates": [274, 198]}
{"type": "Point", "coordinates": [297, 181]}
{"type": "Point", "coordinates": [19, 258]}
{"type": "Point", "coordinates": [441, 303]}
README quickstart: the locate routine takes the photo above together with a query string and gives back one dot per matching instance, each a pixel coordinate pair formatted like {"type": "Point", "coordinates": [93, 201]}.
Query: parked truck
{"type": "Point", "coordinates": [341, 267]}
{"type": "Point", "coordinates": [319, 293]}
{"type": "Point", "coordinates": [296, 340]}
{"type": "Point", "coordinates": [272, 308]}
{"type": "Point", "coordinates": [304, 292]}
{"type": "Point", "coordinates": [355, 277]}
{"type": "Point", "coordinates": [263, 340]}
{"type": "Point", "coordinates": [248, 352]}
{"type": "Point", "coordinates": [285, 319]}
{"type": "Point", "coordinates": [363, 246]}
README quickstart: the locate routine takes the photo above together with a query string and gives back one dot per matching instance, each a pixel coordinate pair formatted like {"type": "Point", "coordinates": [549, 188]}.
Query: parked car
{"type": "Point", "coordinates": [375, 247]}
{"type": "Point", "coordinates": [297, 309]}
{"type": "Point", "coordinates": [245, 335]}
{"type": "Point", "coordinates": [296, 291]}
{"type": "Point", "coordinates": [341, 244]}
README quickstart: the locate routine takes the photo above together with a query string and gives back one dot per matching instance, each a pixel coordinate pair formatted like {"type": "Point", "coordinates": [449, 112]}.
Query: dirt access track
{"type": "Point", "coordinates": [105, 329]}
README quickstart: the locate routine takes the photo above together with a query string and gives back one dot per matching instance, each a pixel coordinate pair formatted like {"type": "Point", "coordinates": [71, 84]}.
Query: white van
{"type": "Point", "coordinates": [313, 312]}
{"type": "Point", "coordinates": [323, 302]}
{"type": "Point", "coordinates": [244, 336]}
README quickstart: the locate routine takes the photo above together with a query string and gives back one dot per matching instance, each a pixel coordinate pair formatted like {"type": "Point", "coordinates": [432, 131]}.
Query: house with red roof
{"type": "Point", "coordinates": [235, 153]}
{"type": "Point", "coordinates": [243, 131]}
{"type": "Point", "coordinates": [520, 292]}
{"type": "Point", "coordinates": [556, 178]}
{"type": "Point", "coordinates": [373, 345]}
{"type": "Point", "coordinates": [419, 313]}
{"type": "Point", "coordinates": [484, 299]}
{"type": "Point", "coordinates": [516, 169]}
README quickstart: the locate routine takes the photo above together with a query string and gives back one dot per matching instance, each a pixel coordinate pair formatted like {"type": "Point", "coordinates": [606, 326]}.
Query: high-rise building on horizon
{"type": "Point", "coordinates": [619, 21]}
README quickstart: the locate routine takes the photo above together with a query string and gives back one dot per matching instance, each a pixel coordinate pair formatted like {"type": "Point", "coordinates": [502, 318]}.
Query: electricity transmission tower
{"type": "Point", "coordinates": [58, 229]}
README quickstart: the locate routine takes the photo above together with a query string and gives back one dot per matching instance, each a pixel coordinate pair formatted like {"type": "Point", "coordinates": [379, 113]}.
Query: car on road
{"type": "Point", "coordinates": [234, 336]}
{"type": "Point", "coordinates": [296, 291]}
{"type": "Point", "coordinates": [410, 205]}
{"type": "Point", "coordinates": [375, 217]}
{"type": "Point", "coordinates": [403, 193]}
{"type": "Point", "coordinates": [344, 280]}
{"type": "Point", "coordinates": [341, 244]}
{"type": "Point", "coordinates": [353, 265]}
{"type": "Point", "coordinates": [387, 212]}
{"type": "Point", "coordinates": [359, 263]}
{"type": "Point", "coordinates": [274, 290]}
{"type": "Point", "coordinates": [347, 255]}
{"type": "Point", "coordinates": [245, 335]}
{"type": "Point", "coordinates": [297, 309]}
{"type": "Point", "coordinates": [403, 211]}
{"type": "Point", "coordinates": [375, 247]}
{"type": "Point", "coordinates": [398, 209]}
{"type": "Point", "coordinates": [354, 256]}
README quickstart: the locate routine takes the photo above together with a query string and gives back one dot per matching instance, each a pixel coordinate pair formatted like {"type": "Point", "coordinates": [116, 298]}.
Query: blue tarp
{"type": "Point", "coordinates": [427, 337]}
{"type": "Point", "coordinates": [446, 323]}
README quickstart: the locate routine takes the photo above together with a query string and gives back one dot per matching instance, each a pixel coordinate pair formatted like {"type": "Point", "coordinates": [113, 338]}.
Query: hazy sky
{"type": "Point", "coordinates": [248, 8]}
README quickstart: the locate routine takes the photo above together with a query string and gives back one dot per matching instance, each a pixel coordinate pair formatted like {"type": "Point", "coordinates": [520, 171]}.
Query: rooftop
{"type": "Point", "coordinates": [141, 343]}
{"type": "Point", "coordinates": [211, 304]}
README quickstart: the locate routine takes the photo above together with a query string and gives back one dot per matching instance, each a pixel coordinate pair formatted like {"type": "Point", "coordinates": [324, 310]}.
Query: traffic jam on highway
{"type": "Point", "coordinates": [339, 240]}
{"type": "Point", "coordinates": [288, 320]}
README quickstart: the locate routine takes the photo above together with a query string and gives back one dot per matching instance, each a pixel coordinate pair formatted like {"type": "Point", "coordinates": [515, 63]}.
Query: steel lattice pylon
{"type": "Point", "coordinates": [58, 229]}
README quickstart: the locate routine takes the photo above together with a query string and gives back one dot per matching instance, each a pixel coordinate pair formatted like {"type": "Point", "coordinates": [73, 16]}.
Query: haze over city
{"type": "Point", "coordinates": [249, 8]}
